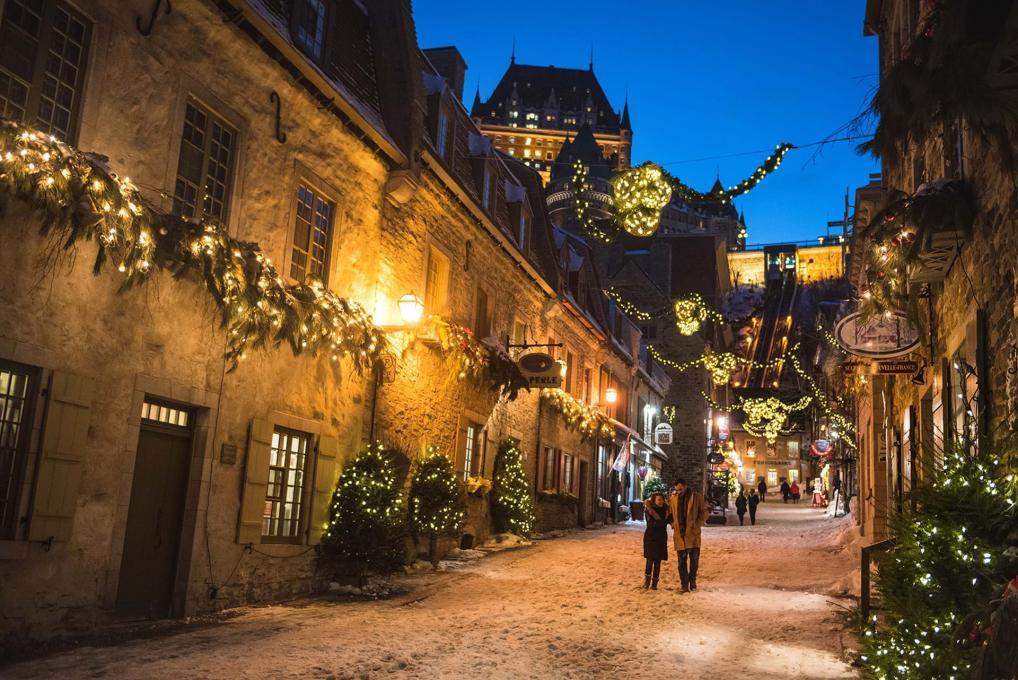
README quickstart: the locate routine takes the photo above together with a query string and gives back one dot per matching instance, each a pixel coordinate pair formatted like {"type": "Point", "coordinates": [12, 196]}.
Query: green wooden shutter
{"type": "Point", "coordinates": [256, 482]}
{"type": "Point", "coordinates": [325, 483]}
{"type": "Point", "coordinates": [64, 438]}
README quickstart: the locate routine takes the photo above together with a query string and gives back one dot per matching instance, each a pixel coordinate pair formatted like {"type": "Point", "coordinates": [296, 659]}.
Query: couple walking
{"type": "Point", "coordinates": [686, 512]}
{"type": "Point", "coordinates": [744, 502]}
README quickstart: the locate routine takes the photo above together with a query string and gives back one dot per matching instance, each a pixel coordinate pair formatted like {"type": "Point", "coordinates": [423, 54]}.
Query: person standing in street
{"type": "Point", "coordinates": [751, 503]}
{"type": "Point", "coordinates": [794, 492]}
{"type": "Point", "coordinates": [762, 488]}
{"type": "Point", "coordinates": [785, 490]}
{"type": "Point", "coordinates": [740, 506]}
{"type": "Point", "coordinates": [689, 514]}
{"type": "Point", "coordinates": [655, 538]}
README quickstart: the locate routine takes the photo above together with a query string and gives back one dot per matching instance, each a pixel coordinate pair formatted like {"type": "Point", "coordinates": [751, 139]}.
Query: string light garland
{"type": "Point", "coordinates": [628, 308]}
{"type": "Point", "coordinates": [81, 200]}
{"type": "Point", "coordinates": [641, 193]}
{"type": "Point", "coordinates": [367, 515]}
{"type": "Point", "coordinates": [720, 365]}
{"type": "Point", "coordinates": [589, 421]}
{"type": "Point", "coordinates": [512, 506]}
{"type": "Point", "coordinates": [844, 427]}
{"type": "Point", "coordinates": [580, 187]}
{"type": "Point", "coordinates": [436, 503]}
{"type": "Point", "coordinates": [474, 360]}
{"type": "Point", "coordinates": [770, 164]}
{"type": "Point", "coordinates": [896, 232]}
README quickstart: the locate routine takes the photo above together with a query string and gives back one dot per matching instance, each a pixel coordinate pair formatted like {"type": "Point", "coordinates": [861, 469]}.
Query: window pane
{"type": "Point", "coordinates": [285, 491]}
{"type": "Point", "coordinates": [204, 166]}
{"type": "Point", "coordinates": [312, 235]}
{"type": "Point", "coordinates": [13, 430]}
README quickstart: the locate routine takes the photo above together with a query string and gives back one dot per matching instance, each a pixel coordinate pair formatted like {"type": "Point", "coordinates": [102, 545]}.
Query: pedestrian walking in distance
{"type": "Point", "coordinates": [795, 492]}
{"type": "Point", "coordinates": [762, 488]}
{"type": "Point", "coordinates": [740, 506]}
{"type": "Point", "coordinates": [785, 491]}
{"type": "Point", "coordinates": [655, 538]}
{"type": "Point", "coordinates": [752, 502]}
{"type": "Point", "coordinates": [689, 514]}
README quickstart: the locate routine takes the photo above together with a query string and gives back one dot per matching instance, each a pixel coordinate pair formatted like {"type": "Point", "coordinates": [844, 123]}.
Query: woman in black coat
{"type": "Point", "coordinates": [752, 502]}
{"type": "Point", "coordinates": [655, 538]}
{"type": "Point", "coordinates": [740, 506]}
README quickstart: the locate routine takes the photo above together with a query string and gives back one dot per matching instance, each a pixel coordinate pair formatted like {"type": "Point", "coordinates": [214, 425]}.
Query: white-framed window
{"type": "Point", "coordinates": [486, 189]}
{"type": "Point", "coordinates": [312, 234]}
{"type": "Point", "coordinates": [205, 165]}
{"type": "Point", "coordinates": [309, 18]}
{"type": "Point", "coordinates": [284, 496]}
{"type": "Point", "coordinates": [473, 453]}
{"type": "Point", "coordinates": [567, 472]}
{"type": "Point", "coordinates": [17, 399]}
{"type": "Point", "coordinates": [549, 479]}
{"type": "Point", "coordinates": [443, 133]}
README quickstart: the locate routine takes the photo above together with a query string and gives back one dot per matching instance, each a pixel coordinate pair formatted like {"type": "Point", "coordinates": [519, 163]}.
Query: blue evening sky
{"type": "Point", "coordinates": [705, 79]}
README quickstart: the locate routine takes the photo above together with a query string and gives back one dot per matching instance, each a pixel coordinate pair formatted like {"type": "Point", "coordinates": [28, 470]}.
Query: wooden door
{"type": "Point", "coordinates": [152, 540]}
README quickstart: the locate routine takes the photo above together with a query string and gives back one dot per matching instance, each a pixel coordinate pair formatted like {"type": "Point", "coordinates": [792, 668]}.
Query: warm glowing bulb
{"type": "Point", "coordinates": [411, 309]}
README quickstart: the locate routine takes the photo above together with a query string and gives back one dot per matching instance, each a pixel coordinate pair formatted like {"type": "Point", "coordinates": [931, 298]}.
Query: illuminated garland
{"type": "Point", "coordinates": [691, 312]}
{"type": "Point", "coordinates": [436, 502]}
{"type": "Point", "coordinates": [512, 506]}
{"type": "Point", "coordinates": [689, 195]}
{"type": "Point", "coordinates": [81, 200]}
{"type": "Point", "coordinates": [720, 365]}
{"type": "Point", "coordinates": [367, 515]}
{"type": "Point", "coordinates": [469, 358]}
{"type": "Point", "coordinates": [580, 187]}
{"type": "Point", "coordinates": [641, 193]}
{"type": "Point", "coordinates": [846, 427]}
{"type": "Point", "coordinates": [897, 230]}
{"type": "Point", "coordinates": [628, 308]}
{"type": "Point", "coordinates": [589, 421]}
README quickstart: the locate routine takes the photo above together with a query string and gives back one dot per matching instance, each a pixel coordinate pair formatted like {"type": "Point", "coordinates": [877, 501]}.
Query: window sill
{"type": "Point", "coordinates": [13, 550]}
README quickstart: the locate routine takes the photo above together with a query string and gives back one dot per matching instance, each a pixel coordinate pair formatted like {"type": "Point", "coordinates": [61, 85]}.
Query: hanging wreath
{"type": "Point", "coordinates": [720, 366]}
{"type": "Point", "coordinates": [641, 193]}
{"type": "Point", "coordinates": [691, 312]}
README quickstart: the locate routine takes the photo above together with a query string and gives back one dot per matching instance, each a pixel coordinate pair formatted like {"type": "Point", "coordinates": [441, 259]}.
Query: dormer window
{"type": "Point", "coordinates": [309, 27]}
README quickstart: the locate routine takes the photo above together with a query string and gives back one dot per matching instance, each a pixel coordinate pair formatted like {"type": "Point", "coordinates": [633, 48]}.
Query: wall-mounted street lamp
{"type": "Point", "coordinates": [611, 395]}
{"type": "Point", "coordinates": [411, 311]}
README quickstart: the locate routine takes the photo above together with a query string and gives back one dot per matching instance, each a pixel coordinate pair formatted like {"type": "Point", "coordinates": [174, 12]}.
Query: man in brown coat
{"type": "Point", "coordinates": [689, 513]}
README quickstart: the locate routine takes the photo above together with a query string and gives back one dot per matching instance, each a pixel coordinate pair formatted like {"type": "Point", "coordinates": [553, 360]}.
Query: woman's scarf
{"type": "Point", "coordinates": [682, 503]}
{"type": "Point", "coordinates": [651, 511]}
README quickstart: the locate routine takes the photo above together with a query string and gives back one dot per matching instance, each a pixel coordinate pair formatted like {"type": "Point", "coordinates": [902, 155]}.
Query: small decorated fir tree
{"type": "Point", "coordinates": [512, 506]}
{"type": "Point", "coordinates": [949, 561]}
{"type": "Point", "coordinates": [437, 508]}
{"type": "Point", "coordinates": [655, 485]}
{"type": "Point", "coordinates": [367, 524]}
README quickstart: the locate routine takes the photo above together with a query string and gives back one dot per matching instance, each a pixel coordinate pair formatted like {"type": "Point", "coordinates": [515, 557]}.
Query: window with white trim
{"type": "Point", "coordinates": [17, 397]}
{"type": "Point", "coordinates": [284, 497]}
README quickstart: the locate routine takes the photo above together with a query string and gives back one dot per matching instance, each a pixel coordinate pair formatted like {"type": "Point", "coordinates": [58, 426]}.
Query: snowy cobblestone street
{"type": "Point", "coordinates": [568, 607]}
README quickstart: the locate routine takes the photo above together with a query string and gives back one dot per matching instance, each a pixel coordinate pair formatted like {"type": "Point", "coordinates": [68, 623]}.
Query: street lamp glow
{"type": "Point", "coordinates": [611, 395]}
{"type": "Point", "coordinates": [411, 309]}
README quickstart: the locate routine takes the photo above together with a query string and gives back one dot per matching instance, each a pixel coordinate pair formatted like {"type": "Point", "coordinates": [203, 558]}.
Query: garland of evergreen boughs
{"type": "Point", "coordinates": [79, 199]}
{"type": "Point", "coordinates": [687, 194]}
{"type": "Point", "coordinates": [901, 229]}
{"type": "Point", "coordinates": [469, 358]}
{"type": "Point", "coordinates": [580, 186]}
{"type": "Point", "coordinates": [589, 421]}
{"type": "Point", "coordinates": [512, 506]}
{"type": "Point", "coordinates": [941, 583]}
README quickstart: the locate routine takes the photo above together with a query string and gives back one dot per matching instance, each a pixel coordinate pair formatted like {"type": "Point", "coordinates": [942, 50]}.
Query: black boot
{"type": "Point", "coordinates": [653, 584]}
{"type": "Point", "coordinates": [646, 581]}
{"type": "Point", "coordinates": [692, 584]}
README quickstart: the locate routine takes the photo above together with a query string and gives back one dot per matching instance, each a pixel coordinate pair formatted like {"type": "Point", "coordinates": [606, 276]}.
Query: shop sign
{"type": "Point", "coordinates": [663, 434]}
{"type": "Point", "coordinates": [886, 367]}
{"type": "Point", "coordinates": [880, 336]}
{"type": "Point", "coordinates": [541, 370]}
{"type": "Point", "coordinates": [820, 447]}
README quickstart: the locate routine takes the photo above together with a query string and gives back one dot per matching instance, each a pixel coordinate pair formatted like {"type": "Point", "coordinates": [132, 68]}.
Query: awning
{"type": "Point", "coordinates": [653, 448]}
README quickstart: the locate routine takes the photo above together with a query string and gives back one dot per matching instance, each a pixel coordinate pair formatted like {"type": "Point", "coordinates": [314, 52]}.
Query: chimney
{"type": "Point", "coordinates": [450, 65]}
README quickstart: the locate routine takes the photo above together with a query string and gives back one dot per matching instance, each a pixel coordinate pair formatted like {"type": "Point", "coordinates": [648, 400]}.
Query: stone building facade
{"type": "Point", "coordinates": [962, 288]}
{"type": "Point", "coordinates": [146, 477]}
